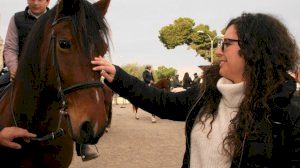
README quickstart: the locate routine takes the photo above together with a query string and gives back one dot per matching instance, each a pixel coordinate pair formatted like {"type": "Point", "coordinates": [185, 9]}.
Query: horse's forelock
{"type": "Point", "coordinates": [93, 31]}
{"type": "Point", "coordinates": [89, 22]}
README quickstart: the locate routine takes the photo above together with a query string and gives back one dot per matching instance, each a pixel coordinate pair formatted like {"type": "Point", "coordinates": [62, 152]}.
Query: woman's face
{"type": "Point", "coordinates": [232, 65]}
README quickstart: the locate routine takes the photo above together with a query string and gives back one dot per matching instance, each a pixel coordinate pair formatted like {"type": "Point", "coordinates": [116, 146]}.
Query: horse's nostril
{"type": "Point", "coordinates": [86, 126]}
{"type": "Point", "coordinates": [86, 130]}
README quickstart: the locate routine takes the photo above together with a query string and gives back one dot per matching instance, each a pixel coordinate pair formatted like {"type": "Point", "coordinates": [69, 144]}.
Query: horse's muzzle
{"type": "Point", "coordinates": [87, 135]}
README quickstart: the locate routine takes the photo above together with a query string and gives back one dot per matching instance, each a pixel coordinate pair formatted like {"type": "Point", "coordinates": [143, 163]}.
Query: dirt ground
{"type": "Point", "coordinates": [132, 143]}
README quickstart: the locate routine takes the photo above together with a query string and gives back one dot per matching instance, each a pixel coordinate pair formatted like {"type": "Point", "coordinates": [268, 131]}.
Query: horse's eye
{"type": "Point", "coordinates": [65, 44]}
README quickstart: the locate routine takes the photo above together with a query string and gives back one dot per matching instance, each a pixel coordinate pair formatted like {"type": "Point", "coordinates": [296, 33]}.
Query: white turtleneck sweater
{"type": "Point", "coordinates": [208, 152]}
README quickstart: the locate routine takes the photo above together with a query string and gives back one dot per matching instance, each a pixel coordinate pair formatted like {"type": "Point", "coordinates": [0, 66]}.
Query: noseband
{"type": "Point", "coordinates": [64, 91]}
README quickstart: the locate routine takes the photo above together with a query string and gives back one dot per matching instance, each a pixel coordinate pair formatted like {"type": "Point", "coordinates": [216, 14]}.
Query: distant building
{"type": "Point", "coordinates": [1, 53]}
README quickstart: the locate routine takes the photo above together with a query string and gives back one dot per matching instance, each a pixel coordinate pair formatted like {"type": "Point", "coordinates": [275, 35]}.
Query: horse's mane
{"type": "Point", "coordinates": [32, 67]}
{"type": "Point", "coordinates": [29, 77]}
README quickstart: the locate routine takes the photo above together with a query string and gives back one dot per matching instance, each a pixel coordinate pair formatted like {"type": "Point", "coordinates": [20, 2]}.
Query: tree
{"type": "Point", "coordinates": [135, 70]}
{"type": "Point", "coordinates": [161, 72]}
{"type": "Point", "coordinates": [184, 31]}
{"type": "Point", "coordinates": [164, 72]}
{"type": "Point", "coordinates": [177, 33]}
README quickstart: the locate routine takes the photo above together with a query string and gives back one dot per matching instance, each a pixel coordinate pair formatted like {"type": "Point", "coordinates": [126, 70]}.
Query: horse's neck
{"type": "Point", "coordinates": [36, 105]}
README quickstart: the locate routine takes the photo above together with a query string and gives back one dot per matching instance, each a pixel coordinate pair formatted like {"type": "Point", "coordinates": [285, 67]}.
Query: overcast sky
{"type": "Point", "coordinates": [135, 25]}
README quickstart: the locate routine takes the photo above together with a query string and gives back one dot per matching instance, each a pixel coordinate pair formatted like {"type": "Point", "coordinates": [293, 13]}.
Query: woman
{"type": "Point", "coordinates": [240, 116]}
{"type": "Point", "coordinates": [186, 81]}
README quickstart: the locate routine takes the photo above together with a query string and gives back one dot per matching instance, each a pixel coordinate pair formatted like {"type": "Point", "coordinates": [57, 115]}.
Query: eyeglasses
{"type": "Point", "coordinates": [226, 42]}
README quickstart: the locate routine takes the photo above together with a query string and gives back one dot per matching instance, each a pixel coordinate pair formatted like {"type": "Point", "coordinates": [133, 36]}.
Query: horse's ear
{"type": "Point", "coordinates": [68, 7]}
{"type": "Point", "coordinates": [102, 5]}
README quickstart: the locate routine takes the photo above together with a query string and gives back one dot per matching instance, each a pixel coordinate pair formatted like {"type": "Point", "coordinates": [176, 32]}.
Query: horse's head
{"type": "Point", "coordinates": [78, 35]}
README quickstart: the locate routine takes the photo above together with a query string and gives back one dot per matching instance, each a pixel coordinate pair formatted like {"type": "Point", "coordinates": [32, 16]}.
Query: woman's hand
{"type": "Point", "coordinates": [107, 70]}
{"type": "Point", "coordinates": [8, 134]}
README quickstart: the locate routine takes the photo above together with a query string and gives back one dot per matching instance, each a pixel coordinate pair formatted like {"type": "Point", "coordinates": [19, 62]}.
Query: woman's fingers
{"type": "Point", "coordinates": [106, 69]}
{"type": "Point", "coordinates": [108, 77]}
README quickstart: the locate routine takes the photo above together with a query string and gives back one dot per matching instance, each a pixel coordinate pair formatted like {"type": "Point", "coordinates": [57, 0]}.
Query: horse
{"type": "Point", "coordinates": [55, 93]}
{"type": "Point", "coordinates": [164, 84]}
{"type": "Point", "coordinates": [108, 99]}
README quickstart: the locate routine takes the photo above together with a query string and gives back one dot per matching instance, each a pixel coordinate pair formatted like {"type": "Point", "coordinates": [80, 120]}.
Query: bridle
{"type": "Point", "coordinates": [62, 92]}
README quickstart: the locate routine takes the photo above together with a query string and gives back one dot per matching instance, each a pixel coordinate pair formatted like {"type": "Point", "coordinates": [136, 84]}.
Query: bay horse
{"type": "Point", "coordinates": [108, 99]}
{"type": "Point", "coordinates": [164, 84]}
{"type": "Point", "coordinates": [55, 93]}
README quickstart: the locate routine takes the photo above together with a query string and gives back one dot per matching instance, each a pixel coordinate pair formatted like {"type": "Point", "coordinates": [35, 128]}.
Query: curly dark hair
{"type": "Point", "coordinates": [270, 52]}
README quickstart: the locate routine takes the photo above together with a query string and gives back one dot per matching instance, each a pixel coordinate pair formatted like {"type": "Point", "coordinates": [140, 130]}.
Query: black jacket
{"type": "Point", "coordinates": [147, 76]}
{"type": "Point", "coordinates": [184, 106]}
{"type": "Point", "coordinates": [24, 22]}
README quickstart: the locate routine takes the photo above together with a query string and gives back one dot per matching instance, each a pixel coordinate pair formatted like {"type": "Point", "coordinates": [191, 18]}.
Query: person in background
{"type": "Point", "coordinates": [148, 76]}
{"type": "Point", "coordinates": [18, 29]}
{"type": "Point", "coordinates": [175, 81]}
{"type": "Point", "coordinates": [1, 53]}
{"type": "Point", "coordinates": [186, 81]}
{"type": "Point", "coordinates": [196, 80]}
{"type": "Point", "coordinates": [149, 80]}
{"type": "Point", "coordinates": [244, 113]}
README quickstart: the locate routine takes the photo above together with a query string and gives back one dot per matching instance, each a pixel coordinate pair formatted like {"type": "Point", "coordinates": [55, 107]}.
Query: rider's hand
{"type": "Point", "coordinates": [107, 70]}
{"type": "Point", "coordinates": [8, 134]}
